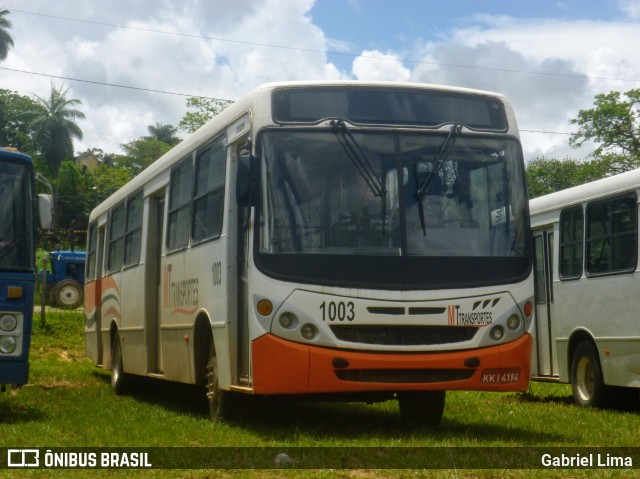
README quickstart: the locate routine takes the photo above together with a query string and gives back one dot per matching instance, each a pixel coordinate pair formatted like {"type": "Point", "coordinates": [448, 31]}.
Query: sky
{"type": "Point", "coordinates": [549, 57]}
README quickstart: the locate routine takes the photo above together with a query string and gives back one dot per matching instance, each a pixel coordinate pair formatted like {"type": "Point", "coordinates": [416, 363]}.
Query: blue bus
{"type": "Point", "coordinates": [17, 265]}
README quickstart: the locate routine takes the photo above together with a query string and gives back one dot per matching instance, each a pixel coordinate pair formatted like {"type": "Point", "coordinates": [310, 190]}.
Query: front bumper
{"type": "Point", "coordinates": [285, 367]}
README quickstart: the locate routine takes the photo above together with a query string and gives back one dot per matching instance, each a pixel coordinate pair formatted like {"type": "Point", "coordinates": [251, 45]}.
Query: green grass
{"type": "Point", "coordinates": [69, 403]}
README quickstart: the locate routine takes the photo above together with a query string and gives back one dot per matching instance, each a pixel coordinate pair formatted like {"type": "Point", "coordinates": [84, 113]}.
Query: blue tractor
{"type": "Point", "coordinates": [64, 281]}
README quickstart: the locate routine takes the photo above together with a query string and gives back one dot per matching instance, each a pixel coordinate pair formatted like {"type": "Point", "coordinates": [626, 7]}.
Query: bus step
{"type": "Point", "coordinates": [241, 389]}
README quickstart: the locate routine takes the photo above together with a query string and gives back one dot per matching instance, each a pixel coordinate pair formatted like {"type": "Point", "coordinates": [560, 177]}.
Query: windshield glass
{"type": "Point", "coordinates": [384, 194]}
{"type": "Point", "coordinates": [16, 234]}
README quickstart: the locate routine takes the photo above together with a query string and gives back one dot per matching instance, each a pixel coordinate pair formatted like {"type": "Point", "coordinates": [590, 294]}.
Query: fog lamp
{"type": "Point", "coordinates": [308, 331]}
{"type": "Point", "coordinates": [7, 344]}
{"type": "Point", "coordinates": [497, 332]}
{"type": "Point", "coordinates": [513, 322]}
{"type": "Point", "coordinates": [288, 320]}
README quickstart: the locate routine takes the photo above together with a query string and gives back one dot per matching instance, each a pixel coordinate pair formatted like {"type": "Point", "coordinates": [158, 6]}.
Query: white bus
{"type": "Point", "coordinates": [328, 240]}
{"type": "Point", "coordinates": [586, 260]}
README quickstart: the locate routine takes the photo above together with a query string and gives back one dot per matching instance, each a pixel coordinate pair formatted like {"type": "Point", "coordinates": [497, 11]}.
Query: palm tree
{"type": "Point", "coordinates": [54, 127]}
{"type": "Point", "coordinates": [6, 41]}
{"type": "Point", "coordinates": [164, 133]}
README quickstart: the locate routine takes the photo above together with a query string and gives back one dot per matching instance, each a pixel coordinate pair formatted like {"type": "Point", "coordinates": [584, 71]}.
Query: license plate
{"type": "Point", "coordinates": [500, 376]}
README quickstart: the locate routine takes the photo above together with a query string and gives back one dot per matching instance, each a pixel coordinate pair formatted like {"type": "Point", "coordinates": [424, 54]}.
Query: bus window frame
{"type": "Point", "coordinates": [110, 269]}
{"type": "Point", "coordinates": [200, 195]}
{"type": "Point", "coordinates": [188, 161]}
{"type": "Point", "coordinates": [575, 242]}
{"type": "Point", "coordinates": [129, 232]}
{"type": "Point", "coordinates": [629, 195]}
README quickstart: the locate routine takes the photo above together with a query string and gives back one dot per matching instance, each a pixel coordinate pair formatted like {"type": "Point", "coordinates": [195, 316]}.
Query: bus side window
{"type": "Point", "coordinates": [571, 242]}
{"type": "Point", "coordinates": [91, 253]}
{"type": "Point", "coordinates": [133, 236]}
{"type": "Point", "coordinates": [208, 203]}
{"type": "Point", "coordinates": [116, 239]}
{"type": "Point", "coordinates": [612, 236]}
{"type": "Point", "coordinates": [180, 206]}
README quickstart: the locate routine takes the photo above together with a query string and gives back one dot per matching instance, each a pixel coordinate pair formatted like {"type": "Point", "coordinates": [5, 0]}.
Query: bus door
{"type": "Point", "coordinates": [545, 356]}
{"type": "Point", "coordinates": [243, 228]}
{"type": "Point", "coordinates": [153, 282]}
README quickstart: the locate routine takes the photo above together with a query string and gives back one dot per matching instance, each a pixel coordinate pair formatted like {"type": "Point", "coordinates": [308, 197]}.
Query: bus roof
{"type": "Point", "coordinates": [7, 152]}
{"type": "Point", "coordinates": [587, 192]}
{"type": "Point", "coordinates": [253, 103]}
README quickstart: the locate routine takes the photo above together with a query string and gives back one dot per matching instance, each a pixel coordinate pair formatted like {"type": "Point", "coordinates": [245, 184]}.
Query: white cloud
{"type": "Point", "coordinates": [193, 60]}
{"type": "Point", "coordinates": [375, 65]}
{"type": "Point", "coordinates": [630, 7]}
{"type": "Point", "coordinates": [549, 68]}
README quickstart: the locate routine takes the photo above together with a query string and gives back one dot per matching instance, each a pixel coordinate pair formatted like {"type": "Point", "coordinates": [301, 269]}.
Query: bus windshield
{"type": "Point", "coordinates": [417, 197]}
{"type": "Point", "coordinates": [16, 232]}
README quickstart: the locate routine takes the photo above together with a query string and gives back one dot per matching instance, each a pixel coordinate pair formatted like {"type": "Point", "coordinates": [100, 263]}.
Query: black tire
{"type": "Point", "coordinates": [49, 298]}
{"type": "Point", "coordinates": [119, 378]}
{"type": "Point", "coordinates": [587, 383]}
{"type": "Point", "coordinates": [217, 398]}
{"type": "Point", "coordinates": [421, 408]}
{"type": "Point", "coordinates": [68, 294]}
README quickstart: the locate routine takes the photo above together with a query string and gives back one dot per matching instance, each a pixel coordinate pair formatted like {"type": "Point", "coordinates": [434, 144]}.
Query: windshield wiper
{"type": "Point", "coordinates": [358, 158]}
{"type": "Point", "coordinates": [361, 164]}
{"type": "Point", "coordinates": [439, 160]}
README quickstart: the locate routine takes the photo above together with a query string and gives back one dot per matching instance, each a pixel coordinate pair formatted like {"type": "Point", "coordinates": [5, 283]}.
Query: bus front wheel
{"type": "Point", "coordinates": [421, 408]}
{"type": "Point", "coordinates": [216, 397]}
{"type": "Point", "coordinates": [587, 383]}
{"type": "Point", "coordinates": [118, 376]}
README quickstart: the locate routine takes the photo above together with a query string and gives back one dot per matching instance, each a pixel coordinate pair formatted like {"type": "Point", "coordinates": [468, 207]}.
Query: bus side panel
{"type": "Point", "coordinates": [131, 329]}
{"type": "Point", "coordinates": [90, 324]}
{"type": "Point", "coordinates": [110, 309]}
{"type": "Point", "coordinates": [193, 283]}
{"type": "Point", "coordinates": [600, 306]}
{"type": "Point", "coordinates": [283, 367]}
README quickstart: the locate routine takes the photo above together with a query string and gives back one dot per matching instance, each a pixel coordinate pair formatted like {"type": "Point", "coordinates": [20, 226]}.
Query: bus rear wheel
{"type": "Point", "coordinates": [421, 408]}
{"type": "Point", "coordinates": [587, 383]}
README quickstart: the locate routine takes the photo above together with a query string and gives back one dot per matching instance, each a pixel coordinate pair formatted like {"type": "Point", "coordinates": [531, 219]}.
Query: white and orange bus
{"type": "Point", "coordinates": [334, 240]}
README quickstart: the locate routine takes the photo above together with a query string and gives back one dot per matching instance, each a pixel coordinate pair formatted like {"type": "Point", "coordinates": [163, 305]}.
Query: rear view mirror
{"type": "Point", "coordinates": [45, 211]}
{"type": "Point", "coordinates": [247, 180]}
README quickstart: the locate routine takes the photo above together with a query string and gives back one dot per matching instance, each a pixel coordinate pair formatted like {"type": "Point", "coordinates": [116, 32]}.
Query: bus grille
{"type": "Point", "coordinates": [403, 376]}
{"type": "Point", "coordinates": [403, 335]}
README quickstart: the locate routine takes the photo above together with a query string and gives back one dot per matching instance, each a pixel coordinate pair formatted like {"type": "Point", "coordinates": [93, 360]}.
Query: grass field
{"type": "Point", "coordinates": [69, 403]}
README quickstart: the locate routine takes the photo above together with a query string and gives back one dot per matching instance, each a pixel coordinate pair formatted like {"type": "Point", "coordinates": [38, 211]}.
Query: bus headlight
{"type": "Point", "coordinates": [7, 344]}
{"type": "Point", "coordinates": [513, 322]}
{"type": "Point", "coordinates": [308, 331]}
{"type": "Point", "coordinates": [8, 322]}
{"type": "Point", "coordinates": [497, 332]}
{"type": "Point", "coordinates": [288, 320]}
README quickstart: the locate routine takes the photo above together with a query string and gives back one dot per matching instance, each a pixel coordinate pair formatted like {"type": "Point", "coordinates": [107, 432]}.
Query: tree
{"type": "Point", "coordinates": [206, 109]}
{"type": "Point", "coordinates": [54, 127]}
{"type": "Point", "coordinates": [73, 199]}
{"type": "Point", "coordinates": [546, 176]}
{"type": "Point", "coordinates": [104, 181]}
{"type": "Point", "coordinates": [6, 42]}
{"type": "Point", "coordinates": [140, 153]}
{"type": "Point", "coordinates": [164, 133]}
{"type": "Point", "coordinates": [613, 123]}
{"type": "Point", "coordinates": [16, 115]}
